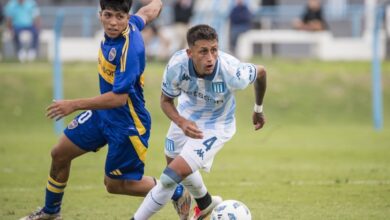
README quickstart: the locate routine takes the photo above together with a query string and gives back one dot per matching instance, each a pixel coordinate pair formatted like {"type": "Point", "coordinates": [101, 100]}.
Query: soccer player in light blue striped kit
{"type": "Point", "coordinates": [204, 80]}
{"type": "Point", "coordinates": [116, 117]}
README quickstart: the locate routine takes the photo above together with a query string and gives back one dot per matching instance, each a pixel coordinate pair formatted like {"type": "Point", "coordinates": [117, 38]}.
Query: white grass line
{"type": "Point", "coordinates": [341, 181]}
{"type": "Point", "coordinates": [28, 189]}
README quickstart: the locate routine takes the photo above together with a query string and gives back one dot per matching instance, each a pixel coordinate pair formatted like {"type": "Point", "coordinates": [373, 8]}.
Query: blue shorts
{"type": "Point", "coordinates": [126, 152]}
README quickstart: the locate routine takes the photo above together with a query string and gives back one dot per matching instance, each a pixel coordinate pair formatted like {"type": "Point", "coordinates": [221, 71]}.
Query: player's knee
{"type": "Point", "coordinates": [57, 156]}
{"type": "Point", "coordinates": [112, 187]}
{"type": "Point", "coordinates": [169, 178]}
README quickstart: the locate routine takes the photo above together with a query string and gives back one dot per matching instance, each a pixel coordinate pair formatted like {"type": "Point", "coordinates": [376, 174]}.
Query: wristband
{"type": "Point", "coordinates": [258, 108]}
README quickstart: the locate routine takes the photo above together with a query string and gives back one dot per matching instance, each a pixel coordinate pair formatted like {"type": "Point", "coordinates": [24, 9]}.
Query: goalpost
{"type": "Point", "coordinates": [377, 99]}
{"type": "Point", "coordinates": [57, 68]}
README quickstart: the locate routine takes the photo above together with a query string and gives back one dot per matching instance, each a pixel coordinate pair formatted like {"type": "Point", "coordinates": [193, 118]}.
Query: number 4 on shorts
{"type": "Point", "coordinates": [209, 143]}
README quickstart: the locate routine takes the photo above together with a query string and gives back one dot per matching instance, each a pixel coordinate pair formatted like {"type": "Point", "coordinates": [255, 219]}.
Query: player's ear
{"type": "Point", "coordinates": [100, 15]}
{"type": "Point", "coordinates": [189, 53]}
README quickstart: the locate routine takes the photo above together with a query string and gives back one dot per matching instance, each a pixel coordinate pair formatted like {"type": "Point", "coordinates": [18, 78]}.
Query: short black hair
{"type": "Point", "coordinates": [116, 5]}
{"type": "Point", "coordinates": [201, 32]}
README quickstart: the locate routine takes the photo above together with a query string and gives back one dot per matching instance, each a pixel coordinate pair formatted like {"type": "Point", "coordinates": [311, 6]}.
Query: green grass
{"type": "Point", "coordinates": [317, 158]}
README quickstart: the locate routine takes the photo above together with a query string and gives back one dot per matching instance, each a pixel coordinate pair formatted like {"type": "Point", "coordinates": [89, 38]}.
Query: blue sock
{"type": "Point", "coordinates": [178, 192]}
{"type": "Point", "coordinates": [54, 194]}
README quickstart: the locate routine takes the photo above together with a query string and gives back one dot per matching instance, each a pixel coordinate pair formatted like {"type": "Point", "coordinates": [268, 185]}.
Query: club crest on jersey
{"type": "Point", "coordinates": [218, 87]}
{"type": "Point", "coordinates": [112, 54]}
{"type": "Point", "coordinates": [73, 124]}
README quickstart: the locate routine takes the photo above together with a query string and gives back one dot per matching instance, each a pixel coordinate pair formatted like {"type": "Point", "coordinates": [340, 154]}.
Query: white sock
{"type": "Point", "coordinates": [194, 183]}
{"type": "Point", "coordinates": [154, 201]}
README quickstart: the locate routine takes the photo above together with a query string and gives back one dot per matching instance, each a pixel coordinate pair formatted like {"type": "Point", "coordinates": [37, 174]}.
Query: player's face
{"type": "Point", "coordinates": [114, 22]}
{"type": "Point", "coordinates": [204, 54]}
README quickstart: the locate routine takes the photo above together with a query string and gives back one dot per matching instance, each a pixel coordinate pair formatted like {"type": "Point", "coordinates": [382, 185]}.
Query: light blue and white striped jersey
{"type": "Point", "coordinates": [208, 101]}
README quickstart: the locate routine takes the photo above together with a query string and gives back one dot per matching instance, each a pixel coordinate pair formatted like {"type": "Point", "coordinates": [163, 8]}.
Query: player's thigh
{"type": "Point", "coordinates": [126, 155]}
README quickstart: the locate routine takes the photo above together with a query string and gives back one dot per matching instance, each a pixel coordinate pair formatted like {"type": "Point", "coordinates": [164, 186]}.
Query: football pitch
{"type": "Point", "coordinates": [318, 156]}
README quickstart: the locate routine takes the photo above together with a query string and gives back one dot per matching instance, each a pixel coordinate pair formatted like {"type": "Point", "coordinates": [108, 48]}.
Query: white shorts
{"type": "Point", "coordinates": [198, 153]}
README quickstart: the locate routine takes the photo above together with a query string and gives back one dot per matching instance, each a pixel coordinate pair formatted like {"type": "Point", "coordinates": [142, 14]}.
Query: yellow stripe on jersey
{"type": "Point", "coordinates": [105, 68]}
{"type": "Point", "coordinates": [142, 80]}
{"type": "Point", "coordinates": [125, 34]}
{"type": "Point", "coordinates": [137, 122]}
{"type": "Point", "coordinates": [139, 147]}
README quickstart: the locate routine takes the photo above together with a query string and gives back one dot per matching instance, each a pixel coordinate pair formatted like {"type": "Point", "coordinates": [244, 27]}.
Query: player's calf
{"type": "Point", "coordinates": [182, 204]}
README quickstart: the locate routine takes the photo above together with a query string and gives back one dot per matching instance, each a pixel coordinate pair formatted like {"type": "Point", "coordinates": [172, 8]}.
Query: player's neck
{"type": "Point", "coordinates": [198, 74]}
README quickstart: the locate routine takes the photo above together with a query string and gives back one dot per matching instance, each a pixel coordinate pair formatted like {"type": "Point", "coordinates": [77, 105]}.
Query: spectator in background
{"type": "Point", "coordinates": [182, 12]}
{"type": "Point", "coordinates": [267, 7]}
{"type": "Point", "coordinates": [156, 44]}
{"type": "Point", "coordinates": [240, 22]}
{"type": "Point", "coordinates": [23, 15]}
{"type": "Point", "coordinates": [312, 18]}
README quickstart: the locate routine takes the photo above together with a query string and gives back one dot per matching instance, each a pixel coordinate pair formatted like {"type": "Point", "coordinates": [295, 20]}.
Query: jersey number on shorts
{"type": "Point", "coordinates": [84, 117]}
{"type": "Point", "coordinates": [209, 143]}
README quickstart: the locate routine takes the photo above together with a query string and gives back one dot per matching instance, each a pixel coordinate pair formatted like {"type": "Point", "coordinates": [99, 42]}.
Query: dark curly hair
{"type": "Point", "coordinates": [201, 32]}
{"type": "Point", "coordinates": [116, 5]}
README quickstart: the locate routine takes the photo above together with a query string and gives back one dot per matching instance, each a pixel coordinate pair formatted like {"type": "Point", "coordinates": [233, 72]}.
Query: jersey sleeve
{"type": "Point", "coordinates": [137, 21]}
{"type": "Point", "coordinates": [126, 73]}
{"type": "Point", "coordinates": [171, 83]}
{"type": "Point", "coordinates": [242, 75]}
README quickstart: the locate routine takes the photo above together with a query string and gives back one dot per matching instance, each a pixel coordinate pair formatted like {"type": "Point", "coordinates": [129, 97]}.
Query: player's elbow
{"type": "Point", "coordinates": [151, 11]}
{"type": "Point", "coordinates": [120, 100]}
{"type": "Point", "coordinates": [261, 72]}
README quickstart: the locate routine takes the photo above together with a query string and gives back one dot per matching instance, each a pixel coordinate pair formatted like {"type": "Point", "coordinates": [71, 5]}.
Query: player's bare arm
{"type": "Point", "coordinates": [150, 11]}
{"type": "Point", "coordinates": [260, 86]}
{"type": "Point", "coordinates": [61, 108]}
{"type": "Point", "coordinates": [189, 128]}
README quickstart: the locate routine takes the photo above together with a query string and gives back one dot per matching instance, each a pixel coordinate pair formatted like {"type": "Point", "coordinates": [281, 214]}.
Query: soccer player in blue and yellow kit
{"type": "Point", "coordinates": [117, 117]}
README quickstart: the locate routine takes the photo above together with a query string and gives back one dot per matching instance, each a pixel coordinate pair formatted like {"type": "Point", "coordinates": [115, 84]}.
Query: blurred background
{"type": "Point", "coordinates": [346, 32]}
{"type": "Point", "coordinates": [324, 152]}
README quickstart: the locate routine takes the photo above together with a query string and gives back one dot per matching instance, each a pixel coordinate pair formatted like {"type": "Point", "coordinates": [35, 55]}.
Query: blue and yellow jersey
{"type": "Point", "coordinates": [121, 64]}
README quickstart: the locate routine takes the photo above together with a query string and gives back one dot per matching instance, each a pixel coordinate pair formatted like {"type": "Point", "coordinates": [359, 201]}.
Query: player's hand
{"type": "Point", "coordinates": [59, 109]}
{"type": "Point", "coordinates": [258, 120]}
{"type": "Point", "coordinates": [190, 129]}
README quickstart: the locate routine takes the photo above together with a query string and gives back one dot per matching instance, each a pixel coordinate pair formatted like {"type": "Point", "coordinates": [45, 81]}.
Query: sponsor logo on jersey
{"type": "Point", "coordinates": [238, 74]}
{"type": "Point", "coordinates": [185, 77]}
{"type": "Point", "coordinates": [105, 68]}
{"type": "Point", "coordinates": [112, 54]}
{"type": "Point", "coordinates": [206, 98]}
